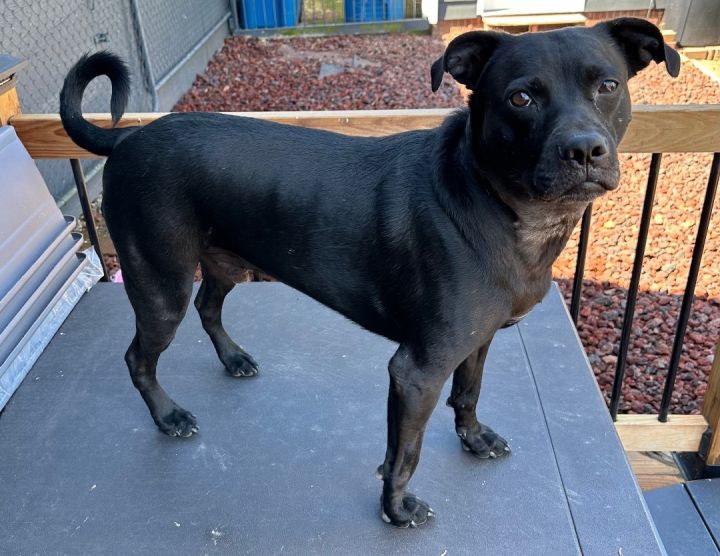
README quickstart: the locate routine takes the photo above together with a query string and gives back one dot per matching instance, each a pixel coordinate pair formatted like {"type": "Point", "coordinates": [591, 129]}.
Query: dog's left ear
{"type": "Point", "coordinates": [465, 58]}
{"type": "Point", "coordinates": [641, 42]}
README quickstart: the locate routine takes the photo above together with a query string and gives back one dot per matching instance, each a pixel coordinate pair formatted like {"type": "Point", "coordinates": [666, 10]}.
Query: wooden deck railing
{"type": "Point", "coordinates": [654, 129]}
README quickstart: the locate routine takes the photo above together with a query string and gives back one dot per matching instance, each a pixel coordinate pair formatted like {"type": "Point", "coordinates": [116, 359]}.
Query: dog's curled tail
{"type": "Point", "coordinates": [89, 136]}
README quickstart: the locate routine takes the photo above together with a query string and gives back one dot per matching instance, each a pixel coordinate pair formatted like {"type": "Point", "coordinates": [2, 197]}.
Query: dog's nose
{"type": "Point", "coordinates": [584, 148]}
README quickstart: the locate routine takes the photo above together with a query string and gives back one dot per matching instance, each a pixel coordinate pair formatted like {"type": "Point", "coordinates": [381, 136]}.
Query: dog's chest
{"type": "Point", "coordinates": [539, 241]}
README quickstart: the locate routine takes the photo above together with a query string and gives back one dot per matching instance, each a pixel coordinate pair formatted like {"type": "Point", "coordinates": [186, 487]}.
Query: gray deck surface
{"type": "Point", "coordinates": [682, 528]}
{"type": "Point", "coordinates": [706, 497]}
{"type": "Point", "coordinates": [284, 462]}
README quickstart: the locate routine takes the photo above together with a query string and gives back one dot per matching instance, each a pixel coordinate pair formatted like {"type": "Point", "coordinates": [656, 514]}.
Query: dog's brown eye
{"type": "Point", "coordinates": [520, 99]}
{"type": "Point", "coordinates": [608, 86]}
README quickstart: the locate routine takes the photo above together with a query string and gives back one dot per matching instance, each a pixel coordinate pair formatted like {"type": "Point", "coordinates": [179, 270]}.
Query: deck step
{"type": "Point", "coordinates": [533, 22]}
{"type": "Point", "coordinates": [687, 517]}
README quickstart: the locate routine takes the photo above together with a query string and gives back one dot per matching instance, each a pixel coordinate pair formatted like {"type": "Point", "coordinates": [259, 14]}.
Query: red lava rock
{"type": "Point", "coordinates": [251, 74]}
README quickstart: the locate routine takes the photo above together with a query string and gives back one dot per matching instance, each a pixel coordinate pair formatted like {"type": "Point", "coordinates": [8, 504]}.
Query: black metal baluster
{"type": "Point", "coordinates": [580, 264]}
{"type": "Point", "coordinates": [689, 294]}
{"type": "Point", "coordinates": [634, 283]}
{"type": "Point", "coordinates": [87, 212]}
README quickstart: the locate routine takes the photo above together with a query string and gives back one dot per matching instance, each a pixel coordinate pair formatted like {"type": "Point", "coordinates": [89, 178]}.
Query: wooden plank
{"type": "Point", "coordinates": [711, 410]}
{"type": "Point", "coordinates": [533, 20]}
{"type": "Point", "coordinates": [9, 105]}
{"type": "Point", "coordinates": [44, 136]}
{"type": "Point", "coordinates": [687, 128]}
{"type": "Point", "coordinates": [654, 469]}
{"type": "Point", "coordinates": [669, 36]}
{"type": "Point", "coordinates": [644, 433]}
{"type": "Point", "coordinates": [700, 52]}
{"type": "Point", "coordinates": [666, 129]}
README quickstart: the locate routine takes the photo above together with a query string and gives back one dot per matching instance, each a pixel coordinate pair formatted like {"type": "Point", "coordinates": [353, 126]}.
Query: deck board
{"type": "Point", "coordinates": [706, 497]}
{"type": "Point", "coordinates": [284, 462]}
{"type": "Point", "coordinates": [680, 525]}
{"type": "Point", "coordinates": [595, 474]}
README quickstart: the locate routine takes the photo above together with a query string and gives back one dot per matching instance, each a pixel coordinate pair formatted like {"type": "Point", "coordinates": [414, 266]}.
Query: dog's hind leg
{"type": "Point", "coordinates": [209, 301]}
{"type": "Point", "coordinates": [475, 437]}
{"type": "Point", "coordinates": [160, 299]}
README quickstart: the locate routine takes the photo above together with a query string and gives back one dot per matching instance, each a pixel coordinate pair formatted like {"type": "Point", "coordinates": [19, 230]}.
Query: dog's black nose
{"type": "Point", "coordinates": [584, 148]}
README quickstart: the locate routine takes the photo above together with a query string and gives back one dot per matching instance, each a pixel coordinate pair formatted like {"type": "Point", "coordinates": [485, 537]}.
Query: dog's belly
{"type": "Point", "coordinates": [359, 305]}
{"type": "Point", "coordinates": [231, 264]}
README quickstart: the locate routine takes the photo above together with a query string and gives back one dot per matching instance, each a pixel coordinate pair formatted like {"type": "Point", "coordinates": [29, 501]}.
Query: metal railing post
{"type": "Point", "coordinates": [84, 198]}
{"type": "Point", "coordinates": [634, 283]}
{"type": "Point", "coordinates": [580, 264]}
{"type": "Point", "coordinates": [689, 294]}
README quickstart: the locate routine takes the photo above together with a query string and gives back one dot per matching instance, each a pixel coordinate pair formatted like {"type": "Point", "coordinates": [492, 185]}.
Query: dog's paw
{"type": "Point", "coordinates": [410, 511]}
{"type": "Point", "coordinates": [483, 442]}
{"type": "Point", "coordinates": [240, 364]}
{"type": "Point", "coordinates": [178, 422]}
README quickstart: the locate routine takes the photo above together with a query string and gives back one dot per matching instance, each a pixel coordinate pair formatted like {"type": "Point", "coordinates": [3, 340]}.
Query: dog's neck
{"type": "Point", "coordinates": [540, 228]}
{"type": "Point", "coordinates": [543, 229]}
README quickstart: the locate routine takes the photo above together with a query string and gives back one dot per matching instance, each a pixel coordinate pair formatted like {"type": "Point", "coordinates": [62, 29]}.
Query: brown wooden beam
{"type": "Point", "coordinates": [711, 410]}
{"type": "Point", "coordinates": [644, 433]}
{"type": "Point", "coordinates": [686, 128]}
{"type": "Point", "coordinates": [9, 106]}
{"type": "Point", "coordinates": [9, 101]}
{"type": "Point", "coordinates": [44, 136]}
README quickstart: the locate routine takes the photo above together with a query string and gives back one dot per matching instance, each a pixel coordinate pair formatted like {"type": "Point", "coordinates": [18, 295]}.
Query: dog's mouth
{"type": "Point", "coordinates": [588, 190]}
{"type": "Point", "coordinates": [585, 191]}
{"type": "Point", "coordinates": [584, 186]}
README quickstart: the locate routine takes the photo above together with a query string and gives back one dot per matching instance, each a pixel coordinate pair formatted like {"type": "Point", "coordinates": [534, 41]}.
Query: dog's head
{"type": "Point", "coordinates": [549, 109]}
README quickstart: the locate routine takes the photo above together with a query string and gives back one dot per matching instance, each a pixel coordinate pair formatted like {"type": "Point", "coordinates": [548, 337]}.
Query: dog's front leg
{"type": "Point", "coordinates": [414, 391]}
{"type": "Point", "coordinates": [475, 437]}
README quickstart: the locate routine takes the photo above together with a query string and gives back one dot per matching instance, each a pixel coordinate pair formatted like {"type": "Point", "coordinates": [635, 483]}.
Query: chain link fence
{"type": "Point", "coordinates": [153, 36]}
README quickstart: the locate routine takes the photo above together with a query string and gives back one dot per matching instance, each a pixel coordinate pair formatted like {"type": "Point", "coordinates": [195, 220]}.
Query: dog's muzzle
{"type": "Point", "coordinates": [580, 166]}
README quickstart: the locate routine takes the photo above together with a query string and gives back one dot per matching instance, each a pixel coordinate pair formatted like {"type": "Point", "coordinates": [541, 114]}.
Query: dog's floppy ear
{"type": "Point", "coordinates": [465, 57]}
{"type": "Point", "coordinates": [641, 42]}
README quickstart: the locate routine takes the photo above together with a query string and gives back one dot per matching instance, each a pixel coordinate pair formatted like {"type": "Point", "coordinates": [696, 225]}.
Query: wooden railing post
{"type": "Point", "coordinates": [9, 101]}
{"type": "Point", "coordinates": [711, 410]}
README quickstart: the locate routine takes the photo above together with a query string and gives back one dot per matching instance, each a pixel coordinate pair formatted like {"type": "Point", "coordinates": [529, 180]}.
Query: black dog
{"type": "Point", "coordinates": [434, 239]}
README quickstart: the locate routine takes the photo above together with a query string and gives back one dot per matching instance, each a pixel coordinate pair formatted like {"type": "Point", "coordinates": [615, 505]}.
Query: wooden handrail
{"type": "Point", "coordinates": [662, 129]}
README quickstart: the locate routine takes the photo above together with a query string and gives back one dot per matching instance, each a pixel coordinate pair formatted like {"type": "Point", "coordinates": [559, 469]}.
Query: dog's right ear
{"type": "Point", "coordinates": [465, 58]}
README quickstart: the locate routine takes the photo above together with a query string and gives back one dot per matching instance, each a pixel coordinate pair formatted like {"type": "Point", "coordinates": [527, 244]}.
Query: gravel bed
{"type": "Point", "coordinates": [393, 72]}
{"type": "Point", "coordinates": [385, 72]}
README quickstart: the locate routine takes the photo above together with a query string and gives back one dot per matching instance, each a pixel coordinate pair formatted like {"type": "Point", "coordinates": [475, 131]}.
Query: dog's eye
{"type": "Point", "coordinates": [520, 99]}
{"type": "Point", "coordinates": [608, 86]}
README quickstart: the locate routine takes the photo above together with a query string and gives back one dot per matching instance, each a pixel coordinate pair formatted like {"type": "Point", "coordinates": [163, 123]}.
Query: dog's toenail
{"type": "Point", "coordinates": [492, 455]}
